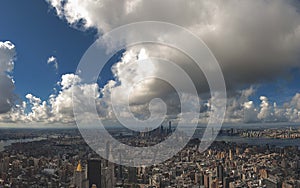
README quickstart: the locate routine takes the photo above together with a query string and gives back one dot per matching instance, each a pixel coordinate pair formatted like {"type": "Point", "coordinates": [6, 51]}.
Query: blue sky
{"type": "Point", "coordinates": [38, 33]}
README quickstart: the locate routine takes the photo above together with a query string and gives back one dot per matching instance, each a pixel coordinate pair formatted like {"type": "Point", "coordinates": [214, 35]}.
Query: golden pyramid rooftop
{"type": "Point", "coordinates": [79, 167]}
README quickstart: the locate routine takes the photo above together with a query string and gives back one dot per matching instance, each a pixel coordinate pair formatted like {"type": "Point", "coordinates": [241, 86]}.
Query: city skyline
{"type": "Point", "coordinates": [244, 160]}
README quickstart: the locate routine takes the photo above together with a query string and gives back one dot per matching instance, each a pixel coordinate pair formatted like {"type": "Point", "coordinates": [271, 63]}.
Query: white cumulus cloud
{"type": "Point", "coordinates": [7, 58]}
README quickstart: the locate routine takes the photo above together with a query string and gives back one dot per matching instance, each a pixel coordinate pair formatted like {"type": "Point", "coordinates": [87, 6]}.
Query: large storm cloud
{"type": "Point", "coordinates": [253, 41]}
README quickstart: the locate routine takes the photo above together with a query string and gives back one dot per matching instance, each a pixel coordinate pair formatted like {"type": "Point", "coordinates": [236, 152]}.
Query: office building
{"type": "Point", "coordinates": [94, 172]}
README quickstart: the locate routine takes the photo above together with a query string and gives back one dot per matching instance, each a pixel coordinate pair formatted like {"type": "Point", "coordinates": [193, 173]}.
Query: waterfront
{"type": "Point", "coordinates": [4, 143]}
{"type": "Point", "coordinates": [29, 135]}
{"type": "Point", "coordinates": [252, 140]}
{"type": "Point", "coordinates": [260, 141]}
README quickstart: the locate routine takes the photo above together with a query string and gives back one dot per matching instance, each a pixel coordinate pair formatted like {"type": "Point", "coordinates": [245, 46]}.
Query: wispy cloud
{"type": "Point", "coordinates": [53, 60]}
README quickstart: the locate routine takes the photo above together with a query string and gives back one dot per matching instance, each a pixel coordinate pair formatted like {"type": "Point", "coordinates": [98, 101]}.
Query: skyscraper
{"type": "Point", "coordinates": [132, 175]}
{"type": "Point", "coordinates": [107, 152]}
{"type": "Point", "coordinates": [206, 180]}
{"type": "Point", "coordinates": [78, 176]}
{"type": "Point", "coordinates": [120, 168]}
{"type": "Point", "coordinates": [230, 155]}
{"type": "Point", "coordinates": [94, 172]}
{"type": "Point", "coordinates": [220, 172]}
{"type": "Point", "coordinates": [108, 176]}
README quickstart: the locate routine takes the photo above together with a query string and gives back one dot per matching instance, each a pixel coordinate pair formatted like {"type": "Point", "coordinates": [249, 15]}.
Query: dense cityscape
{"type": "Point", "coordinates": [149, 94]}
{"type": "Point", "coordinates": [61, 158]}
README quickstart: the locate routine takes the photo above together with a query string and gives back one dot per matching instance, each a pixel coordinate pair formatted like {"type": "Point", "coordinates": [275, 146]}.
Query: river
{"type": "Point", "coordinates": [4, 143]}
